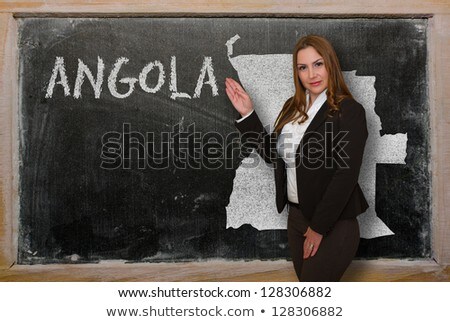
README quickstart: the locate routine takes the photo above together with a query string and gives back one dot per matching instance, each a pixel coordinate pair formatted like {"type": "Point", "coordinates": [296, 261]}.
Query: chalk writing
{"type": "Point", "coordinates": [59, 77]}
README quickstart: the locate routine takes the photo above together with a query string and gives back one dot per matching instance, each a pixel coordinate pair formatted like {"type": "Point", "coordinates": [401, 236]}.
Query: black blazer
{"type": "Point", "coordinates": [328, 160]}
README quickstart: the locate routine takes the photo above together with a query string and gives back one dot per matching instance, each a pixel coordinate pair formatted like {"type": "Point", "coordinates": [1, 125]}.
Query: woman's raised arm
{"type": "Point", "coordinates": [254, 135]}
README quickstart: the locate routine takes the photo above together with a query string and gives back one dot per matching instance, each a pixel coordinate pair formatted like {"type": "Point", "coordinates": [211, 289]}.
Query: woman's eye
{"type": "Point", "coordinates": [318, 64]}
{"type": "Point", "coordinates": [301, 68]}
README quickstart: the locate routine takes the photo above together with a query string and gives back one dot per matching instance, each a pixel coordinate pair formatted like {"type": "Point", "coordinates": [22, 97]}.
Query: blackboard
{"type": "Point", "coordinates": [89, 190]}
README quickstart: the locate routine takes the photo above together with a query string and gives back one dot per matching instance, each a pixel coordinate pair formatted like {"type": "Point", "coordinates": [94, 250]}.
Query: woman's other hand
{"type": "Point", "coordinates": [314, 239]}
{"type": "Point", "coordinates": [238, 97]}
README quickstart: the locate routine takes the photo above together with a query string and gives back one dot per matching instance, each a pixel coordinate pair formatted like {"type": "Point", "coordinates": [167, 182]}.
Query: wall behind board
{"type": "Point", "coordinates": [82, 198]}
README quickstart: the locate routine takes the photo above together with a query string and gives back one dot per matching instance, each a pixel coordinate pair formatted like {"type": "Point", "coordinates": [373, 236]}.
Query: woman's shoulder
{"type": "Point", "coordinates": [350, 105]}
{"type": "Point", "coordinates": [350, 101]}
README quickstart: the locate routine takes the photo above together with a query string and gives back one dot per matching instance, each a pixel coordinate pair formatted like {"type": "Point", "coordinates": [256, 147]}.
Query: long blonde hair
{"type": "Point", "coordinates": [295, 107]}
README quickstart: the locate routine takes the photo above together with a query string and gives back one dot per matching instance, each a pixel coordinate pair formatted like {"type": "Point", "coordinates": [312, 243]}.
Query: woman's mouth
{"type": "Point", "coordinates": [316, 83]}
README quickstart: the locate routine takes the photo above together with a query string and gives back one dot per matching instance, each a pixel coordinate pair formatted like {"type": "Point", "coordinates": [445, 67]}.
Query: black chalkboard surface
{"type": "Point", "coordinates": [123, 120]}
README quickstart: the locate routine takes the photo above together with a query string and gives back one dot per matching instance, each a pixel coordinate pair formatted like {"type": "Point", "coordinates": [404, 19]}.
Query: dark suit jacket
{"type": "Point", "coordinates": [328, 160]}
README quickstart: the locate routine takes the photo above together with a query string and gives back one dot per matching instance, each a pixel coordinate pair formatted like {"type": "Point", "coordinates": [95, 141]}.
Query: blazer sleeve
{"type": "Point", "coordinates": [255, 136]}
{"type": "Point", "coordinates": [352, 122]}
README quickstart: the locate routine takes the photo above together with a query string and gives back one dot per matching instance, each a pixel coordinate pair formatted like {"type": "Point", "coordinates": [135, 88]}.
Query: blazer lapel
{"type": "Point", "coordinates": [318, 119]}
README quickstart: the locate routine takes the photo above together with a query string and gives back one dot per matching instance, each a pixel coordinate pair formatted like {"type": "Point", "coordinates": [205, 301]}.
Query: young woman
{"type": "Point", "coordinates": [317, 149]}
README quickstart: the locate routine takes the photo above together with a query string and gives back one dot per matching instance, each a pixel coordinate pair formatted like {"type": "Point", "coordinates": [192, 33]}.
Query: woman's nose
{"type": "Point", "coordinates": [311, 72]}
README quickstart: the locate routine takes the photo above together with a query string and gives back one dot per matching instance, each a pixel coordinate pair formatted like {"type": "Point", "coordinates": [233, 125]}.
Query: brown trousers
{"type": "Point", "coordinates": [335, 253]}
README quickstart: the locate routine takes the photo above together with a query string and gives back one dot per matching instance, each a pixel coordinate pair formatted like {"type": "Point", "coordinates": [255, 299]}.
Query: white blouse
{"type": "Point", "coordinates": [289, 139]}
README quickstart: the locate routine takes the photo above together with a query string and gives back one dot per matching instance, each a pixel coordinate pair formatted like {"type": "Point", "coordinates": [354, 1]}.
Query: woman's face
{"type": "Point", "coordinates": [311, 71]}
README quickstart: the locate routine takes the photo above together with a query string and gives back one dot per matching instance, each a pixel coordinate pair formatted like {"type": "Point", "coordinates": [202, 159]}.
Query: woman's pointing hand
{"type": "Point", "coordinates": [238, 97]}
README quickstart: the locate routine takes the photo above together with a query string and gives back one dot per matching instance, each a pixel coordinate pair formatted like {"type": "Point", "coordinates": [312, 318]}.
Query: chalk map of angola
{"type": "Point", "coordinates": [268, 81]}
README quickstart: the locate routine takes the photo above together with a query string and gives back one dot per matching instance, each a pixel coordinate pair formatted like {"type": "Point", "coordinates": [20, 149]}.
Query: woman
{"type": "Point", "coordinates": [317, 148]}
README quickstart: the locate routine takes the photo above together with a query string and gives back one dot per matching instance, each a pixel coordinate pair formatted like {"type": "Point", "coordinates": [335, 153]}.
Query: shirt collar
{"type": "Point", "coordinates": [319, 100]}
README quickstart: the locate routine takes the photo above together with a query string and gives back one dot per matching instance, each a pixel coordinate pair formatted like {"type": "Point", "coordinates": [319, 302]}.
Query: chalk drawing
{"type": "Point", "coordinates": [143, 77]}
{"type": "Point", "coordinates": [126, 80]}
{"type": "Point", "coordinates": [173, 81]}
{"type": "Point", "coordinates": [84, 70]}
{"type": "Point", "coordinates": [207, 68]}
{"type": "Point", "coordinates": [268, 80]}
{"type": "Point", "coordinates": [60, 69]}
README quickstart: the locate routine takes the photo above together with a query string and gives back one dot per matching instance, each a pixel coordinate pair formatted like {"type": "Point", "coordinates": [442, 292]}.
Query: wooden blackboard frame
{"type": "Point", "coordinates": [439, 45]}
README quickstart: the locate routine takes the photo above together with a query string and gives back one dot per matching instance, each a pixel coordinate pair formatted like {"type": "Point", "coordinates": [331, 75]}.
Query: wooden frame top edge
{"type": "Point", "coordinates": [214, 15]}
{"type": "Point", "coordinates": [304, 7]}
